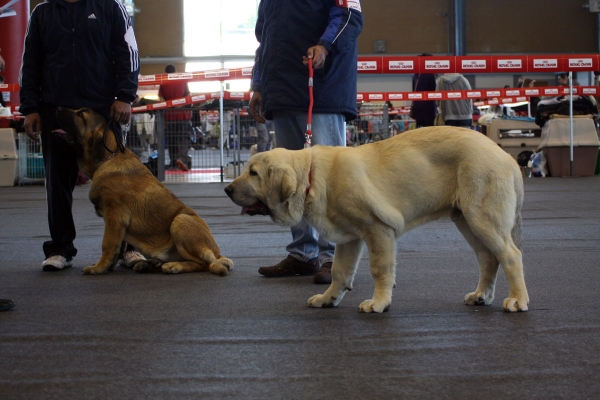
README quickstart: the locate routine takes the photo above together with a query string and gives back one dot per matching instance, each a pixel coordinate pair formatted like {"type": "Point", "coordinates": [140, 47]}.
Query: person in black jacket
{"type": "Point", "coordinates": [77, 54]}
{"type": "Point", "coordinates": [290, 33]}
{"type": "Point", "coordinates": [424, 111]}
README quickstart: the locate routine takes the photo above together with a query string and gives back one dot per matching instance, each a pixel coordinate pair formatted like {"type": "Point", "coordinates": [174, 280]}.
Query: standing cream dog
{"type": "Point", "coordinates": [374, 193]}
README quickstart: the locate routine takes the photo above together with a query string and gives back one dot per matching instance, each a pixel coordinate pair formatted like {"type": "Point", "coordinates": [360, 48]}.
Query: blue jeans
{"type": "Point", "coordinates": [327, 130]}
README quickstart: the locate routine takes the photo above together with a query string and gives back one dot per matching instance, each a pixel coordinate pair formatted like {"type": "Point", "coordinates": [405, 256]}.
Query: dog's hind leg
{"type": "Point", "coordinates": [488, 264]}
{"type": "Point", "coordinates": [345, 263]}
{"type": "Point", "coordinates": [197, 247]}
{"type": "Point", "coordinates": [495, 232]}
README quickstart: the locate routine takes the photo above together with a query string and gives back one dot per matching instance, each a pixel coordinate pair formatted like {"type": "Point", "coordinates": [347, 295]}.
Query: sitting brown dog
{"type": "Point", "coordinates": [136, 207]}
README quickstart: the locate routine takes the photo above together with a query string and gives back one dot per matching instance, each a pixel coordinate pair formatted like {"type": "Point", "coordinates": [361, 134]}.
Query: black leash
{"type": "Point", "coordinates": [120, 145]}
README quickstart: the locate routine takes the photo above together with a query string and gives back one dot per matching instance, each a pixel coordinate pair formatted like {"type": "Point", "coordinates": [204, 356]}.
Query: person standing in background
{"type": "Point", "coordinates": [178, 123]}
{"type": "Point", "coordinates": [77, 54]}
{"type": "Point", "coordinates": [290, 34]}
{"type": "Point", "coordinates": [423, 111]}
{"type": "Point", "coordinates": [455, 112]}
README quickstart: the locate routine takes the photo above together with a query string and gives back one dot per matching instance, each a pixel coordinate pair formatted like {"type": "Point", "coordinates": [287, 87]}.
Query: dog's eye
{"type": "Point", "coordinates": [253, 172]}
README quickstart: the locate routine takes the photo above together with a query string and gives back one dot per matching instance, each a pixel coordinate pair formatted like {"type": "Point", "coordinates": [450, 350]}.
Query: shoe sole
{"type": "Point", "coordinates": [51, 268]}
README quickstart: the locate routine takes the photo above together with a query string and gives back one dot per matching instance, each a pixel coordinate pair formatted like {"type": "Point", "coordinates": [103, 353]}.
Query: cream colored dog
{"type": "Point", "coordinates": [374, 193]}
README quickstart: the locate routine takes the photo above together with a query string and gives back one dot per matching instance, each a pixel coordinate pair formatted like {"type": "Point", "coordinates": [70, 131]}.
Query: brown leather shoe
{"type": "Point", "coordinates": [290, 266]}
{"type": "Point", "coordinates": [324, 275]}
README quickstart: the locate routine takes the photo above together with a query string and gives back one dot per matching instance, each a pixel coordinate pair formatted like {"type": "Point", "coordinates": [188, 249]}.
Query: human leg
{"type": "Point", "coordinates": [61, 176]}
{"type": "Point", "coordinates": [328, 130]}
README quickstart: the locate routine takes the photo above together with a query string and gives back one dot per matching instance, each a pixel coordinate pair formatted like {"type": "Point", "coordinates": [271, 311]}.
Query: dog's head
{"type": "Point", "coordinates": [274, 184]}
{"type": "Point", "coordinates": [85, 129]}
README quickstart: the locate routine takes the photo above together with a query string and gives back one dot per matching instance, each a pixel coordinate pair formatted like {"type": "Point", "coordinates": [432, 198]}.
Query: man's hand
{"type": "Point", "coordinates": [255, 109]}
{"type": "Point", "coordinates": [318, 54]}
{"type": "Point", "coordinates": [120, 112]}
{"type": "Point", "coordinates": [33, 126]}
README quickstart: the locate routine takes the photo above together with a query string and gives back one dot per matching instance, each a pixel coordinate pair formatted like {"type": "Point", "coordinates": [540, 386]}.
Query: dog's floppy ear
{"type": "Point", "coordinates": [282, 184]}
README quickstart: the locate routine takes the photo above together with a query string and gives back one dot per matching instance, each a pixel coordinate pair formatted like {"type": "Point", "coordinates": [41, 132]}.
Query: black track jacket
{"type": "Point", "coordinates": [85, 59]}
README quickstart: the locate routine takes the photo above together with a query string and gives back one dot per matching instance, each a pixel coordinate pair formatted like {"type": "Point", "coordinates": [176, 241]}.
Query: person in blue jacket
{"type": "Point", "coordinates": [77, 54]}
{"type": "Point", "coordinates": [290, 33]}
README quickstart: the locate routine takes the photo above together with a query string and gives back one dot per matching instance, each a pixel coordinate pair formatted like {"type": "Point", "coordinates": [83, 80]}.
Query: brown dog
{"type": "Point", "coordinates": [136, 207]}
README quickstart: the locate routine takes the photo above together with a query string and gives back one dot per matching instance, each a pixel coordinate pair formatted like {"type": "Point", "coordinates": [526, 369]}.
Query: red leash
{"type": "Point", "coordinates": [310, 106]}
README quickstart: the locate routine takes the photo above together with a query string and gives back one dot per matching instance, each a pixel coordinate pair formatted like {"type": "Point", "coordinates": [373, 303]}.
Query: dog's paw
{"type": "Point", "coordinates": [221, 267]}
{"type": "Point", "coordinates": [321, 301]}
{"type": "Point", "coordinates": [512, 304]}
{"type": "Point", "coordinates": [172, 268]}
{"type": "Point", "coordinates": [93, 270]}
{"type": "Point", "coordinates": [478, 299]}
{"type": "Point", "coordinates": [150, 265]}
{"type": "Point", "coordinates": [372, 306]}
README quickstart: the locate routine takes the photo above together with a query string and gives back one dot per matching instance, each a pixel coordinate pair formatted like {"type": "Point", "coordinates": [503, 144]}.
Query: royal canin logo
{"type": "Point", "coordinates": [455, 95]}
{"type": "Point", "coordinates": [474, 64]}
{"type": "Point", "coordinates": [474, 95]}
{"type": "Point", "coordinates": [175, 77]}
{"type": "Point", "coordinates": [513, 92]}
{"type": "Point", "coordinates": [376, 96]}
{"type": "Point", "coordinates": [415, 96]}
{"type": "Point", "coordinates": [532, 92]}
{"type": "Point", "coordinates": [510, 64]}
{"type": "Point", "coordinates": [146, 78]}
{"type": "Point", "coordinates": [359, 96]}
{"type": "Point", "coordinates": [367, 65]}
{"type": "Point", "coordinates": [437, 65]}
{"type": "Point", "coordinates": [545, 63]}
{"type": "Point", "coordinates": [395, 96]}
{"type": "Point", "coordinates": [580, 63]}
{"type": "Point", "coordinates": [140, 108]}
{"type": "Point", "coordinates": [401, 65]}
{"type": "Point", "coordinates": [550, 91]}
{"type": "Point", "coordinates": [3, 86]}
{"type": "Point", "coordinates": [519, 99]}
{"type": "Point", "coordinates": [158, 105]}
{"type": "Point", "coordinates": [236, 95]}
{"type": "Point", "coordinates": [434, 96]}
{"type": "Point", "coordinates": [179, 101]}
{"type": "Point", "coordinates": [200, 97]}
{"type": "Point", "coordinates": [246, 71]}
{"type": "Point", "coordinates": [589, 91]}
{"type": "Point", "coordinates": [493, 102]}
{"type": "Point", "coordinates": [493, 93]}
{"type": "Point", "coordinates": [224, 73]}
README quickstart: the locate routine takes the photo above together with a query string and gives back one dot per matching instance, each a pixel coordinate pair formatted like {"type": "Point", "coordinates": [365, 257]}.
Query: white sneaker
{"type": "Point", "coordinates": [56, 263]}
{"type": "Point", "coordinates": [130, 258]}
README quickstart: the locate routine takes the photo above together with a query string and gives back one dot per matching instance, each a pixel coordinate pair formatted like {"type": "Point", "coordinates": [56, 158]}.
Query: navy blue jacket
{"type": "Point", "coordinates": [286, 29]}
{"type": "Point", "coordinates": [87, 62]}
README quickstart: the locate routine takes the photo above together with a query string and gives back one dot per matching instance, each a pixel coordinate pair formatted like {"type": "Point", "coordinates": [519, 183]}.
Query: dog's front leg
{"type": "Point", "coordinates": [382, 254]}
{"type": "Point", "coordinates": [345, 263]}
{"type": "Point", "coordinates": [114, 232]}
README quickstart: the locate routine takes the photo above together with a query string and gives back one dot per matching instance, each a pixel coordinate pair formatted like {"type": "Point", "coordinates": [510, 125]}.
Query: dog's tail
{"type": "Point", "coordinates": [519, 192]}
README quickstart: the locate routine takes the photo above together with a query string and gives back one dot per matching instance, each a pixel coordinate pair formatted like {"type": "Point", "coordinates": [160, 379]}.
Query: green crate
{"type": "Point", "coordinates": [35, 166]}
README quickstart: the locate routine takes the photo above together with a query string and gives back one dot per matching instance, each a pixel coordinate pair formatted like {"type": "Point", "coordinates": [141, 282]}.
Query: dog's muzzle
{"type": "Point", "coordinates": [259, 208]}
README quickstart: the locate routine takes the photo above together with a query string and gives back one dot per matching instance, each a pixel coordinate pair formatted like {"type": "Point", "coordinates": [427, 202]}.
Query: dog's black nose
{"type": "Point", "coordinates": [229, 190]}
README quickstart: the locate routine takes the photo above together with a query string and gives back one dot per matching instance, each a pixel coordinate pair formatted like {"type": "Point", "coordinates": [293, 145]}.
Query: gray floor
{"type": "Point", "coordinates": [127, 335]}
